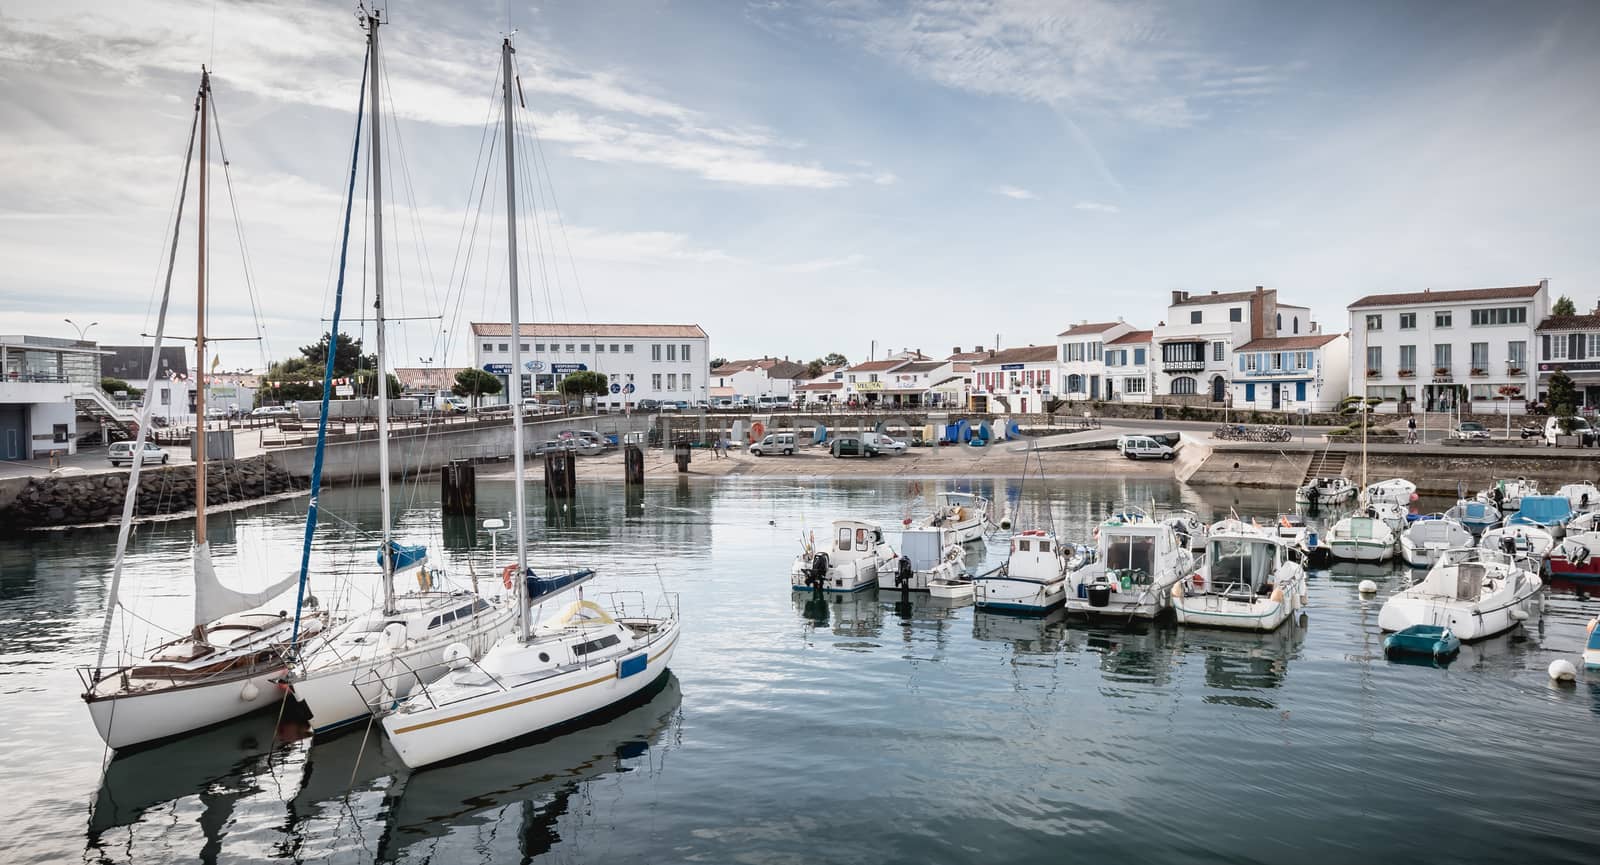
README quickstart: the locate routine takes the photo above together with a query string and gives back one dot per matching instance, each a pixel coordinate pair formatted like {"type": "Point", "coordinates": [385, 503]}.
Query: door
{"type": "Point", "coordinates": [1217, 386]}
{"type": "Point", "coordinates": [1277, 396]}
{"type": "Point", "coordinates": [1094, 387]}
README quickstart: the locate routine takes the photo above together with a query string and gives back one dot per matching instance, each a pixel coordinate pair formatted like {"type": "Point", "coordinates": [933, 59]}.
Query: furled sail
{"type": "Point", "coordinates": [213, 600]}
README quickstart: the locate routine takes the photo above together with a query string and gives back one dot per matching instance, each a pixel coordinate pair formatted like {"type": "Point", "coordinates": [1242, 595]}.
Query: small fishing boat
{"type": "Point", "coordinates": [1396, 517]}
{"type": "Point", "coordinates": [1325, 491]}
{"type": "Point", "coordinates": [1435, 641]}
{"type": "Point", "coordinates": [1591, 647]}
{"type": "Point", "coordinates": [856, 559]}
{"type": "Point", "coordinates": [1577, 557]}
{"type": "Point", "coordinates": [1136, 563]}
{"type": "Point", "coordinates": [1507, 494]}
{"type": "Point", "coordinates": [1307, 541]}
{"type": "Point", "coordinates": [966, 514]}
{"type": "Point", "coordinates": [1474, 516]}
{"type": "Point", "coordinates": [1524, 542]}
{"type": "Point", "coordinates": [1582, 496]}
{"type": "Point", "coordinates": [1474, 592]}
{"type": "Point", "coordinates": [1190, 528]}
{"type": "Point", "coordinates": [1361, 538]}
{"type": "Point", "coordinates": [1588, 521]}
{"type": "Point", "coordinates": [1033, 579]}
{"type": "Point", "coordinates": [1550, 513]}
{"type": "Point", "coordinates": [1248, 580]}
{"type": "Point", "coordinates": [951, 589]}
{"type": "Point", "coordinates": [926, 554]}
{"type": "Point", "coordinates": [1395, 491]}
{"type": "Point", "coordinates": [1425, 540]}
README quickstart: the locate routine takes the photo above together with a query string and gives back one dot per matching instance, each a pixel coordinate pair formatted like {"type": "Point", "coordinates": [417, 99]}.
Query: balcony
{"type": "Point", "coordinates": [1374, 373]}
{"type": "Point", "coordinates": [1183, 365]}
{"type": "Point", "coordinates": [1408, 373]}
{"type": "Point", "coordinates": [1442, 375]}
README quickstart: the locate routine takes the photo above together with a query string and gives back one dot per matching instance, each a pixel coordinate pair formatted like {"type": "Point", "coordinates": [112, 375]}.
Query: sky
{"type": "Point", "coordinates": [796, 177]}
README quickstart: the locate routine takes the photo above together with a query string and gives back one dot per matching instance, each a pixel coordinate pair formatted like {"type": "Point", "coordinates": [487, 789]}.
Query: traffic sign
{"type": "Point", "coordinates": [628, 388]}
{"type": "Point", "coordinates": [616, 388]}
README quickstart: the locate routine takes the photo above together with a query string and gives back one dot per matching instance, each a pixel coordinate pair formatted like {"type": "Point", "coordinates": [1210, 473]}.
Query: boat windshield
{"type": "Point", "coordinates": [1363, 528]}
{"type": "Point", "coordinates": [1240, 560]}
{"type": "Point", "coordinates": [1131, 553]}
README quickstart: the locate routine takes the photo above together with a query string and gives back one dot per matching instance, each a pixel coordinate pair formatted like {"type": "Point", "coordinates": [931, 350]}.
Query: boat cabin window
{"type": "Point", "coordinates": [1023, 546]}
{"type": "Point", "coordinates": [1235, 561]}
{"type": "Point", "coordinates": [1363, 529]}
{"type": "Point", "coordinates": [861, 539]}
{"type": "Point", "coordinates": [843, 542]}
{"type": "Point", "coordinates": [440, 621]}
{"type": "Point", "coordinates": [1044, 546]}
{"type": "Point", "coordinates": [1133, 553]}
{"type": "Point", "coordinates": [596, 645]}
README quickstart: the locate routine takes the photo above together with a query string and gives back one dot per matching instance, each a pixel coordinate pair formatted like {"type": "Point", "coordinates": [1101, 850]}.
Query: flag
{"type": "Point", "coordinates": [216, 360]}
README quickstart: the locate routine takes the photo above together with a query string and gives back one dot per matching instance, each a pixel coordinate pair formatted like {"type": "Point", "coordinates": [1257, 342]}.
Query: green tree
{"type": "Point", "coordinates": [300, 377]}
{"type": "Point", "coordinates": [718, 361]}
{"type": "Point", "coordinates": [1564, 306]}
{"type": "Point", "coordinates": [472, 383]}
{"type": "Point", "coordinates": [814, 368]}
{"type": "Point", "coordinates": [834, 358]}
{"type": "Point", "coordinates": [1563, 399]}
{"type": "Point", "coordinates": [112, 385]}
{"type": "Point", "coordinates": [585, 383]}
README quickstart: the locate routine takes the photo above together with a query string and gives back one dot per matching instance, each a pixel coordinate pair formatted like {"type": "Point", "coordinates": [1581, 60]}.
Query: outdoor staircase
{"type": "Point", "coordinates": [1325, 465]}
{"type": "Point", "coordinates": [120, 423]}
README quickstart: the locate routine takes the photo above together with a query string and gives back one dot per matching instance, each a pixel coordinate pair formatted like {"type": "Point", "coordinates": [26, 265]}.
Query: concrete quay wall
{"type": "Point", "coordinates": [1436, 470]}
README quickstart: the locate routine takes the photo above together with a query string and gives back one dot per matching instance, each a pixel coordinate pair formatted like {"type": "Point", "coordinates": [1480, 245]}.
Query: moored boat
{"type": "Point", "coordinates": [966, 514]}
{"type": "Point", "coordinates": [1190, 528]}
{"type": "Point", "coordinates": [1396, 491]}
{"type": "Point", "coordinates": [1550, 513]}
{"type": "Point", "coordinates": [1425, 540]}
{"type": "Point", "coordinates": [1577, 557]}
{"type": "Point", "coordinates": [1318, 492]}
{"type": "Point", "coordinates": [856, 558]}
{"type": "Point", "coordinates": [1033, 579]}
{"type": "Point", "coordinates": [1474, 592]}
{"type": "Point", "coordinates": [1582, 496]}
{"type": "Point", "coordinates": [1506, 494]}
{"type": "Point", "coordinates": [1524, 542]}
{"type": "Point", "coordinates": [926, 555]}
{"type": "Point", "coordinates": [952, 589]}
{"type": "Point", "coordinates": [1474, 516]}
{"type": "Point", "coordinates": [1248, 580]}
{"type": "Point", "coordinates": [1311, 544]}
{"type": "Point", "coordinates": [1136, 563]}
{"type": "Point", "coordinates": [1361, 538]}
{"type": "Point", "coordinates": [1435, 641]}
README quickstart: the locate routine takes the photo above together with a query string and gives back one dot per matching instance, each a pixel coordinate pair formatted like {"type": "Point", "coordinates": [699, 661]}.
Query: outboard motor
{"type": "Point", "coordinates": [903, 574]}
{"type": "Point", "coordinates": [817, 577]}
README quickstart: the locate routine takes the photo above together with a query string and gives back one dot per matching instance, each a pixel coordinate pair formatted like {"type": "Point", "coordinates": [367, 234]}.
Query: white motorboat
{"type": "Point", "coordinates": [1361, 538]}
{"type": "Point", "coordinates": [1551, 513]}
{"type": "Point", "coordinates": [1588, 521]}
{"type": "Point", "coordinates": [1033, 579]}
{"type": "Point", "coordinates": [224, 666]}
{"type": "Point", "coordinates": [953, 589]}
{"type": "Point", "coordinates": [1524, 542]}
{"type": "Point", "coordinates": [967, 514]}
{"type": "Point", "coordinates": [1577, 557]}
{"type": "Point", "coordinates": [1293, 530]}
{"type": "Point", "coordinates": [1474, 592]}
{"type": "Point", "coordinates": [1190, 528]}
{"type": "Point", "coordinates": [1583, 496]}
{"type": "Point", "coordinates": [1425, 540]}
{"type": "Point", "coordinates": [1325, 491]}
{"type": "Point", "coordinates": [583, 660]}
{"type": "Point", "coordinates": [856, 559]}
{"type": "Point", "coordinates": [1248, 580]}
{"type": "Point", "coordinates": [1507, 494]}
{"type": "Point", "coordinates": [1136, 563]}
{"type": "Point", "coordinates": [926, 555]}
{"type": "Point", "coordinates": [1473, 515]}
{"type": "Point", "coordinates": [1390, 514]}
{"type": "Point", "coordinates": [1395, 491]}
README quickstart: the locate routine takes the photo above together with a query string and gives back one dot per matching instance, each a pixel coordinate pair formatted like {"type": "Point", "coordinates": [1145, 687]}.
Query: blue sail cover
{"type": "Point", "coordinates": [1543, 511]}
{"type": "Point", "coordinates": [405, 556]}
{"type": "Point", "coordinates": [542, 588]}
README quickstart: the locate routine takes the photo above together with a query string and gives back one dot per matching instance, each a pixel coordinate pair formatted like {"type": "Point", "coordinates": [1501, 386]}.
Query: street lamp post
{"type": "Point", "coordinates": [81, 330]}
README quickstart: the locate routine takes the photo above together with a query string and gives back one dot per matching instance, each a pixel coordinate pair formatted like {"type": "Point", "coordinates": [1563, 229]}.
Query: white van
{"type": "Point", "coordinates": [774, 443]}
{"type": "Point", "coordinates": [1145, 447]}
{"type": "Point", "coordinates": [1580, 428]}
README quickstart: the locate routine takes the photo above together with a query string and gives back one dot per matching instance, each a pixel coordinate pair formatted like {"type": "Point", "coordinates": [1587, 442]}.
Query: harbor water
{"type": "Point", "coordinates": [858, 730]}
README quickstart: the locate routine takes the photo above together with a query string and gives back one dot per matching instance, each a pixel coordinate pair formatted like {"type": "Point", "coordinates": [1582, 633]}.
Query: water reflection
{"type": "Point", "coordinates": [1245, 667]}
{"type": "Point", "coordinates": [858, 614]}
{"type": "Point", "coordinates": [1028, 635]}
{"type": "Point", "coordinates": [1141, 652]}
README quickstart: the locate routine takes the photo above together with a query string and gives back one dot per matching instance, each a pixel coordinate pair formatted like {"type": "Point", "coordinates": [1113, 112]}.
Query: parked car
{"type": "Point", "coordinates": [272, 411]}
{"type": "Point", "coordinates": [648, 405]}
{"type": "Point", "coordinates": [121, 453]}
{"type": "Point", "coordinates": [852, 446]}
{"type": "Point", "coordinates": [884, 444]}
{"type": "Point", "coordinates": [1145, 447]}
{"type": "Point", "coordinates": [774, 443]}
{"type": "Point", "coordinates": [1469, 431]}
{"type": "Point", "coordinates": [1580, 427]}
{"type": "Point", "coordinates": [667, 406]}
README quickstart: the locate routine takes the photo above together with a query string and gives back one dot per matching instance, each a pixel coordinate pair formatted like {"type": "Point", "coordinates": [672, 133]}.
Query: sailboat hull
{"type": "Point", "coordinates": [128, 720]}
{"type": "Point", "coordinates": [441, 733]}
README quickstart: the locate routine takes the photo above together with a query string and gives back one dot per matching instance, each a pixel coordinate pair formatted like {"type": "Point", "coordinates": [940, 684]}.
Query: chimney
{"type": "Point", "coordinates": [1179, 296]}
{"type": "Point", "coordinates": [1213, 291]}
{"type": "Point", "coordinates": [955, 349]}
{"type": "Point", "coordinates": [978, 349]}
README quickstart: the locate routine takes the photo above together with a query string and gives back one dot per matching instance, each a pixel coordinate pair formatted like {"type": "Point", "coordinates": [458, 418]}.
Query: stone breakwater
{"type": "Point", "coordinates": [64, 500]}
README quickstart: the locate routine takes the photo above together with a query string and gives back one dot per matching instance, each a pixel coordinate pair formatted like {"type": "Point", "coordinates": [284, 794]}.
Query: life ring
{"type": "Point", "coordinates": [1198, 580]}
{"type": "Point", "coordinates": [505, 574]}
{"type": "Point", "coordinates": [757, 431]}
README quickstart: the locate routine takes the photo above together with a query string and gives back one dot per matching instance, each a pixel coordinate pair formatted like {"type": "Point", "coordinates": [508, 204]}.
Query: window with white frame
{"type": "Point", "coordinates": [1219, 351]}
{"type": "Point", "coordinates": [488, 346]}
{"type": "Point", "coordinates": [1250, 361]}
{"type": "Point", "coordinates": [1408, 358]}
{"type": "Point", "coordinates": [1517, 351]}
{"type": "Point", "coordinates": [1095, 349]}
{"type": "Point", "coordinates": [1374, 358]}
{"type": "Point", "coordinates": [1480, 355]}
{"type": "Point", "coordinates": [569, 347]}
{"type": "Point", "coordinates": [1408, 321]}
{"type": "Point", "coordinates": [1375, 322]}
{"type": "Point", "coordinates": [1442, 318]}
{"type": "Point", "coordinates": [1556, 347]}
{"type": "Point", "coordinates": [538, 346]}
{"type": "Point", "coordinates": [672, 381]}
{"type": "Point", "coordinates": [685, 380]}
{"type": "Point", "coordinates": [583, 347]}
{"type": "Point", "coordinates": [1194, 317]}
{"type": "Point", "coordinates": [683, 352]}
{"type": "Point", "coordinates": [627, 348]}
{"type": "Point", "coordinates": [655, 352]}
{"type": "Point", "coordinates": [1441, 355]}
{"type": "Point", "coordinates": [655, 381]}
{"type": "Point", "coordinates": [1133, 385]}
{"type": "Point", "coordinates": [1500, 315]}
{"type": "Point", "coordinates": [505, 346]}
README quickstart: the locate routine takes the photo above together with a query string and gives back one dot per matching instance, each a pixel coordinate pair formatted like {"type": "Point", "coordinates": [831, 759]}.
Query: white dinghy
{"type": "Point", "coordinates": [1425, 540]}
{"type": "Point", "coordinates": [1395, 491]}
{"type": "Point", "coordinates": [1248, 580]}
{"type": "Point", "coordinates": [856, 559]}
{"type": "Point", "coordinates": [1507, 494]}
{"type": "Point", "coordinates": [1583, 496]}
{"type": "Point", "coordinates": [1474, 592]}
{"type": "Point", "coordinates": [1320, 492]}
{"type": "Point", "coordinates": [1190, 528]}
{"type": "Point", "coordinates": [1524, 542]}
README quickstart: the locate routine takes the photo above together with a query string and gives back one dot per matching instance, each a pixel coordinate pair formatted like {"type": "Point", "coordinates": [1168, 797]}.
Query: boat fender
{"type": "Point", "coordinates": [1277, 594]}
{"type": "Point", "coordinates": [1198, 580]}
{"type": "Point", "coordinates": [1367, 587]}
{"type": "Point", "coordinates": [457, 655]}
{"type": "Point", "coordinates": [1519, 614]}
{"type": "Point", "coordinates": [1177, 589]}
{"type": "Point", "coordinates": [394, 636]}
{"type": "Point", "coordinates": [506, 574]}
{"type": "Point", "coordinates": [1561, 670]}
{"type": "Point", "coordinates": [250, 692]}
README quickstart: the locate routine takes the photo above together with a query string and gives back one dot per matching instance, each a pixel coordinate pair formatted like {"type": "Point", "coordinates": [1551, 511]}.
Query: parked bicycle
{"type": "Point", "coordinates": [1242, 432]}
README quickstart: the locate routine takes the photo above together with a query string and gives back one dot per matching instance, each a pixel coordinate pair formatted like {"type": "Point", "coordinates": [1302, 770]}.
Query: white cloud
{"type": "Point", "coordinates": [1016, 192]}
{"type": "Point", "coordinates": [821, 264]}
{"type": "Point", "coordinates": [1097, 207]}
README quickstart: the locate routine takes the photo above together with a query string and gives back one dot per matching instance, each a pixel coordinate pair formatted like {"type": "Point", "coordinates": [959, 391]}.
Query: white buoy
{"type": "Point", "coordinates": [1367, 587]}
{"type": "Point", "coordinates": [1561, 670]}
{"type": "Point", "coordinates": [251, 692]}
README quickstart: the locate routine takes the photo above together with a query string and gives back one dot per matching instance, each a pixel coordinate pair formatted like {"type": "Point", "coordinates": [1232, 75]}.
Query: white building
{"type": "Point", "coordinates": [1288, 373]}
{"type": "Point", "coordinates": [1442, 349]}
{"type": "Point", "coordinates": [756, 378]}
{"type": "Point", "coordinates": [1127, 359]}
{"type": "Point", "coordinates": [864, 382]}
{"type": "Point", "coordinates": [924, 384]}
{"type": "Point", "coordinates": [1083, 368]}
{"type": "Point", "coordinates": [1019, 380]}
{"type": "Point", "coordinates": [643, 361]}
{"type": "Point", "coordinates": [1197, 339]}
{"type": "Point", "coordinates": [41, 379]}
{"type": "Point", "coordinates": [1571, 343]}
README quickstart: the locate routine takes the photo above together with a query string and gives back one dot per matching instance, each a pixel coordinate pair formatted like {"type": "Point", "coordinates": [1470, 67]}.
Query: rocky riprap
{"type": "Point", "coordinates": [65, 500]}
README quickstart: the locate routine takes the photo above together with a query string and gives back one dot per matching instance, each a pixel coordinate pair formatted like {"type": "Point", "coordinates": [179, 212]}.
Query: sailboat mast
{"type": "Point", "coordinates": [377, 305]}
{"type": "Point", "coordinates": [200, 332]}
{"type": "Point", "coordinates": [518, 519]}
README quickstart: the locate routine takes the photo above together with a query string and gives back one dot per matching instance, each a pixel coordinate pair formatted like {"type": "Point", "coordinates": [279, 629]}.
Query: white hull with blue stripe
{"type": "Point", "coordinates": [1033, 579]}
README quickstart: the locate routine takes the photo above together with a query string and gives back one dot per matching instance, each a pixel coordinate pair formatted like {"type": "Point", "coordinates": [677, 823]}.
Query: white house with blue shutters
{"type": "Point", "coordinates": [1127, 359]}
{"type": "Point", "coordinates": [1287, 373]}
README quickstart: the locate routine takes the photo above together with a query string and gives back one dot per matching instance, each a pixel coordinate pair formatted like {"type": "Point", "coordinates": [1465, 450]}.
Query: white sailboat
{"type": "Point", "coordinates": [406, 635]}
{"type": "Point", "coordinates": [579, 661]}
{"type": "Point", "coordinates": [224, 666]}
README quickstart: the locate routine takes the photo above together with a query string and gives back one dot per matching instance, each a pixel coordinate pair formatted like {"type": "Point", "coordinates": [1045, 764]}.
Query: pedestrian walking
{"type": "Point", "coordinates": [1411, 430]}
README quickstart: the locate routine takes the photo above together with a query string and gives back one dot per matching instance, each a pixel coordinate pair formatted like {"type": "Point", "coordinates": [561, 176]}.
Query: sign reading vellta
{"type": "Point", "coordinates": [497, 368]}
{"type": "Point", "coordinates": [563, 368]}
